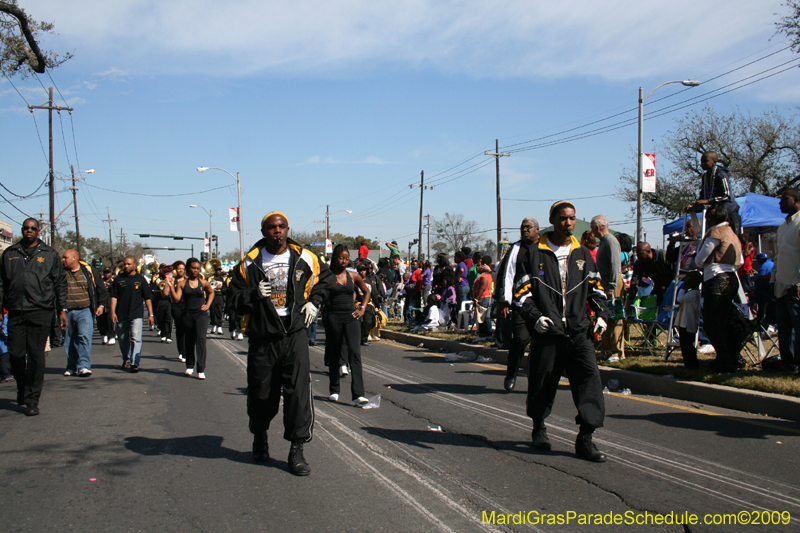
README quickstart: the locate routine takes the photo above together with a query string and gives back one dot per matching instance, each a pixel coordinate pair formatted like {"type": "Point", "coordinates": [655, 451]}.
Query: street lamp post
{"type": "Point", "coordinates": [640, 186]}
{"type": "Point", "coordinates": [239, 190]}
{"type": "Point", "coordinates": [210, 228]}
{"type": "Point", "coordinates": [328, 213]}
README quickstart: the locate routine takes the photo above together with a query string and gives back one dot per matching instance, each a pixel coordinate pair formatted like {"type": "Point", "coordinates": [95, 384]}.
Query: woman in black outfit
{"type": "Point", "coordinates": [340, 320]}
{"type": "Point", "coordinates": [178, 274]}
{"type": "Point", "coordinates": [197, 295]}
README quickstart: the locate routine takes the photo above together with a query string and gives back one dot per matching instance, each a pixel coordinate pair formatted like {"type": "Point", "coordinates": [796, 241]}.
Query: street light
{"type": "Point", "coordinates": [640, 193]}
{"type": "Point", "coordinates": [210, 228]}
{"type": "Point", "coordinates": [239, 190]}
{"type": "Point", "coordinates": [328, 213]}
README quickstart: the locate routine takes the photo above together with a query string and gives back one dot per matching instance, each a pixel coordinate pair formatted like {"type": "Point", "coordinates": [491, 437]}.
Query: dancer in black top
{"type": "Point", "coordinates": [340, 320]}
{"type": "Point", "coordinates": [178, 274]}
{"type": "Point", "coordinates": [197, 295]}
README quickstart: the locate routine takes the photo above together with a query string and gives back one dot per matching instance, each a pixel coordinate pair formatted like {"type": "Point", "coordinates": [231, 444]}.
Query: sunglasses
{"type": "Point", "coordinates": [34, 228]}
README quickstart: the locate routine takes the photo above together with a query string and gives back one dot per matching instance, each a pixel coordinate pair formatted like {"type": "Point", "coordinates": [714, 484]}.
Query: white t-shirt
{"type": "Point", "coordinates": [276, 268]}
{"type": "Point", "coordinates": [562, 254]}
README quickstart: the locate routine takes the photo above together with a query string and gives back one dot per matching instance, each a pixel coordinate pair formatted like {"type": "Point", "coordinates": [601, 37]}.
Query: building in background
{"type": "Point", "coordinates": [5, 235]}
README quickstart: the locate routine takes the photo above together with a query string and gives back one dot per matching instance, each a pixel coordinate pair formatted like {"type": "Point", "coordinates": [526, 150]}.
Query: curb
{"type": "Point", "coordinates": [748, 401]}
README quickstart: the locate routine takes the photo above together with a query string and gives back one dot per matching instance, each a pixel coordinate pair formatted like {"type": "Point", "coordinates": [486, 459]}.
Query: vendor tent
{"type": "Point", "coordinates": [759, 213]}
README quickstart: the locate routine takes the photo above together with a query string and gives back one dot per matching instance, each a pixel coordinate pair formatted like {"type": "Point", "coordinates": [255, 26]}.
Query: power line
{"type": "Point", "coordinates": [158, 195]}
{"type": "Point", "coordinates": [27, 195]}
{"type": "Point", "coordinates": [557, 199]}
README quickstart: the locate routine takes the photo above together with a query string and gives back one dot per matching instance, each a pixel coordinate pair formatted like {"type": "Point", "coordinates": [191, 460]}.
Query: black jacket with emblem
{"type": "Point", "coordinates": [32, 282]}
{"type": "Point", "coordinates": [540, 291]}
{"type": "Point", "coordinates": [309, 280]}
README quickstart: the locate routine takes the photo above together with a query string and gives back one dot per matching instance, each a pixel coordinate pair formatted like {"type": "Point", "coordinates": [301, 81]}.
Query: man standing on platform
{"type": "Point", "coordinates": [33, 287]}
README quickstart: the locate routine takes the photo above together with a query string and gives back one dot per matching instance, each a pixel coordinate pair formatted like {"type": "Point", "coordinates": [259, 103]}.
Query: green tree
{"type": "Point", "coordinates": [19, 50]}
{"type": "Point", "coordinates": [761, 153]}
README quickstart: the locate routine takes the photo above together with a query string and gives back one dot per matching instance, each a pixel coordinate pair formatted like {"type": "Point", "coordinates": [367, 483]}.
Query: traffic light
{"type": "Point", "coordinates": [94, 263]}
{"type": "Point", "coordinates": [203, 256]}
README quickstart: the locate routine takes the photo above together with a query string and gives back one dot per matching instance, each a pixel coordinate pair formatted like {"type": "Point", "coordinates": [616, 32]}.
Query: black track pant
{"type": "Point", "coordinates": [180, 336]}
{"type": "Point", "coordinates": [164, 318]}
{"type": "Point", "coordinates": [520, 338]}
{"type": "Point", "coordinates": [367, 322]}
{"type": "Point", "coordinates": [550, 355]}
{"type": "Point", "coordinates": [343, 329]}
{"type": "Point", "coordinates": [104, 326]}
{"type": "Point", "coordinates": [216, 310]}
{"type": "Point", "coordinates": [234, 321]}
{"type": "Point", "coordinates": [194, 330]}
{"type": "Point", "coordinates": [275, 363]}
{"type": "Point", "coordinates": [27, 336]}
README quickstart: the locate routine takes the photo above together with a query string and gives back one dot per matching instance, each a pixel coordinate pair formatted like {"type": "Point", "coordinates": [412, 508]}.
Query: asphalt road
{"type": "Point", "coordinates": [160, 451]}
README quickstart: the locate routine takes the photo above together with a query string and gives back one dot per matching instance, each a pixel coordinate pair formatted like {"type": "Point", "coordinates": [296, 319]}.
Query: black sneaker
{"type": "Point", "coordinates": [585, 449]}
{"type": "Point", "coordinates": [20, 397]}
{"type": "Point", "coordinates": [540, 440]}
{"type": "Point", "coordinates": [509, 383]}
{"type": "Point", "coordinates": [32, 410]}
{"type": "Point", "coordinates": [297, 463]}
{"type": "Point", "coordinates": [134, 368]}
{"type": "Point", "coordinates": [260, 447]}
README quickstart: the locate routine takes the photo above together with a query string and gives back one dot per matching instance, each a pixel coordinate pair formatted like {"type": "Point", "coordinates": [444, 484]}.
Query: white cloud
{"type": "Point", "coordinates": [373, 160]}
{"type": "Point", "coordinates": [504, 38]}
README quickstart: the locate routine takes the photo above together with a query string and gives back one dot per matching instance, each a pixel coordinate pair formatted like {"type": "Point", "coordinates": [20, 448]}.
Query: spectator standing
{"type": "Point", "coordinates": [764, 296]}
{"type": "Point", "coordinates": [609, 264]}
{"type": "Point", "coordinates": [589, 241]}
{"type": "Point", "coordinates": [86, 298]}
{"type": "Point", "coordinates": [482, 298]}
{"type": "Point", "coordinates": [130, 292]}
{"type": "Point", "coordinates": [460, 281]}
{"type": "Point", "coordinates": [509, 273]}
{"type": "Point", "coordinates": [394, 251]}
{"type": "Point", "coordinates": [427, 280]}
{"type": "Point", "coordinates": [33, 287]}
{"type": "Point", "coordinates": [689, 317]}
{"type": "Point", "coordinates": [786, 280]}
{"type": "Point", "coordinates": [720, 255]}
{"type": "Point", "coordinates": [363, 250]}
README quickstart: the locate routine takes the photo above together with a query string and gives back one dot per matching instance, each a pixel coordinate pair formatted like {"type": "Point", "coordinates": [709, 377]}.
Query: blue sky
{"type": "Point", "coordinates": [344, 103]}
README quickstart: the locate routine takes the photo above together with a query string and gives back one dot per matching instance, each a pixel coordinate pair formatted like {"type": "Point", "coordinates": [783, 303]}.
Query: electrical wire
{"type": "Point", "coordinates": [158, 195]}
{"type": "Point", "coordinates": [557, 199]}
{"type": "Point", "coordinates": [27, 195]}
{"type": "Point", "coordinates": [14, 206]}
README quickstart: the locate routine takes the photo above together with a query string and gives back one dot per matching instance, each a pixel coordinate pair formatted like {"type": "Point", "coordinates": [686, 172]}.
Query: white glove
{"type": "Point", "coordinates": [310, 310]}
{"type": "Point", "coordinates": [600, 326]}
{"type": "Point", "coordinates": [544, 324]}
{"type": "Point", "coordinates": [264, 289]}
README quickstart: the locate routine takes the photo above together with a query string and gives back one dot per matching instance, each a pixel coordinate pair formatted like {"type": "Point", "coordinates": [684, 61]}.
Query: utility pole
{"type": "Point", "coordinates": [50, 106]}
{"type": "Point", "coordinates": [110, 240]}
{"type": "Point", "coordinates": [327, 214]}
{"type": "Point", "coordinates": [428, 225]}
{"type": "Point", "coordinates": [422, 188]}
{"type": "Point", "coordinates": [497, 155]}
{"type": "Point", "coordinates": [75, 205]}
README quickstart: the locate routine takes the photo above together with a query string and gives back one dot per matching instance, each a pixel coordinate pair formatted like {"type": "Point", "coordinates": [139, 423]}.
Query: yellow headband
{"type": "Point", "coordinates": [560, 203]}
{"type": "Point", "coordinates": [264, 220]}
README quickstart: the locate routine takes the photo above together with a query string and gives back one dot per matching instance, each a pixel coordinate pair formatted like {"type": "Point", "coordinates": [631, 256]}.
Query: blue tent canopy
{"type": "Point", "coordinates": [755, 210]}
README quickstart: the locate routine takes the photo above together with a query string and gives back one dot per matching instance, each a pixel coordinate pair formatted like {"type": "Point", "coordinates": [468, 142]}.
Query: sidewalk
{"type": "Point", "coordinates": [772, 405]}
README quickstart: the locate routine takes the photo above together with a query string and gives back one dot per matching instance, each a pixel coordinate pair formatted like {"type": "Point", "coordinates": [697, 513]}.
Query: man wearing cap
{"type": "Point", "coordinates": [560, 279]}
{"type": "Point", "coordinates": [509, 272]}
{"type": "Point", "coordinates": [279, 287]}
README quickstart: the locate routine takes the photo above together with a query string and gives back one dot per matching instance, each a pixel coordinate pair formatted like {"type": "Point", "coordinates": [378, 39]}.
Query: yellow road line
{"type": "Point", "coordinates": [709, 413]}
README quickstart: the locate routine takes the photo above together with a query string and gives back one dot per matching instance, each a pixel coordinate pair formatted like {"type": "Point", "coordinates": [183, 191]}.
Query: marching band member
{"type": "Point", "coordinates": [197, 295]}
{"type": "Point", "coordinates": [177, 275]}
{"type": "Point", "coordinates": [218, 285]}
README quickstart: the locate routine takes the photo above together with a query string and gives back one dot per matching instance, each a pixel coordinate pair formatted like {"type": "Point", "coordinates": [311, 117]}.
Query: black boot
{"type": "Point", "coordinates": [585, 449]}
{"type": "Point", "coordinates": [297, 463]}
{"type": "Point", "coordinates": [260, 447]}
{"type": "Point", "coordinates": [540, 439]}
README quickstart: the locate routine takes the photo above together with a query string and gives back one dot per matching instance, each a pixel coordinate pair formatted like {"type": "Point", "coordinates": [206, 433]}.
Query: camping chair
{"type": "Point", "coordinates": [464, 314]}
{"type": "Point", "coordinates": [644, 319]}
{"type": "Point", "coordinates": [763, 342]}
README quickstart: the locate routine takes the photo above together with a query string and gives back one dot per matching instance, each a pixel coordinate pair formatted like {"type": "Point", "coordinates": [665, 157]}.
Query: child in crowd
{"type": "Point", "coordinates": [689, 317]}
{"type": "Point", "coordinates": [448, 296]}
{"type": "Point", "coordinates": [431, 314]}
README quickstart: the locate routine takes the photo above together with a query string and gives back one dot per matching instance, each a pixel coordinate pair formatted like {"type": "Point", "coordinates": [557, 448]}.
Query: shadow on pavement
{"type": "Point", "coordinates": [199, 446]}
{"type": "Point", "coordinates": [724, 426]}
{"type": "Point", "coordinates": [453, 388]}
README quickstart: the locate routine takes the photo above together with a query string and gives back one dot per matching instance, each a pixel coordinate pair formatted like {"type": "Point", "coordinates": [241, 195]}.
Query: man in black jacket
{"type": "Point", "coordinates": [509, 273]}
{"type": "Point", "coordinates": [560, 279]}
{"type": "Point", "coordinates": [278, 287]}
{"type": "Point", "coordinates": [86, 298]}
{"type": "Point", "coordinates": [32, 287]}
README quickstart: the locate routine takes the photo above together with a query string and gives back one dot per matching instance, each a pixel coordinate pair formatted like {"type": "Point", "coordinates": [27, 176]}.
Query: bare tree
{"type": "Point", "coordinates": [761, 153]}
{"type": "Point", "coordinates": [19, 50]}
{"type": "Point", "coordinates": [789, 25]}
{"type": "Point", "coordinates": [454, 231]}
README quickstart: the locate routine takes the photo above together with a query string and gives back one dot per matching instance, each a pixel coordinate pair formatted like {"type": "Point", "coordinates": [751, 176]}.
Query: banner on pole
{"type": "Point", "coordinates": [207, 244]}
{"type": "Point", "coordinates": [328, 246]}
{"type": "Point", "coordinates": [233, 215]}
{"type": "Point", "coordinates": [649, 167]}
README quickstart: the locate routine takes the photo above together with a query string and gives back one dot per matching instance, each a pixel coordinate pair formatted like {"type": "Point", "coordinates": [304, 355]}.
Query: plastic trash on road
{"type": "Point", "coordinates": [451, 357]}
{"type": "Point", "coordinates": [625, 392]}
{"type": "Point", "coordinates": [605, 390]}
{"type": "Point", "coordinates": [373, 403]}
{"type": "Point", "coordinates": [434, 428]}
{"type": "Point", "coordinates": [467, 356]}
{"type": "Point", "coordinates": [482, 359]}
{"type": "Point", "coordinates": [613, 384]}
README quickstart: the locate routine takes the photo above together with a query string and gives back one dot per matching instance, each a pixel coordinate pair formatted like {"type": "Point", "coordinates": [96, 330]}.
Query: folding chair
{"type": "Point", "coordinates": [644, 318]}
{"type": "Point", "coordinates": [463, 315]}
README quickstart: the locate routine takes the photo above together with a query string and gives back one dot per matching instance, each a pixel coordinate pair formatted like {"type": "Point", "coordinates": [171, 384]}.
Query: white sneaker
{"type": "Point", "coordinates": [241, 337]}
{"type": "Point", "coordinates": [201, 375]}
{"type": "Point", "coordinates": [105, 339]}
{"type": "Point", "coordinates": [613, 359]}
{"type": "Point", "coordinates": [360, 401]}
{"type": "Point", "coordinates": [169, 341]}
{"type": "Point", "coordinates": [189, 371]}
{"type": "Point", "coordinates": [163, 339]}
{"type": "Point", "coordinates": [344, 370]}
{"type": "Point", "coordinates": [334, 397]}
{"type": "Point", "coordinates": [112, 341]}
{"type": "Point", "coordinates": [181, 358]}
{"type": "Point", "coordinates": [152, 328]}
